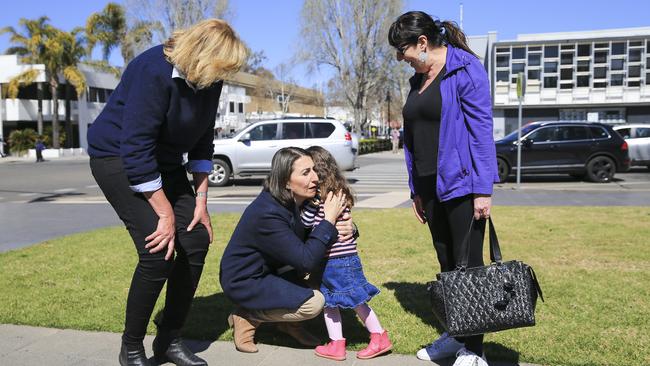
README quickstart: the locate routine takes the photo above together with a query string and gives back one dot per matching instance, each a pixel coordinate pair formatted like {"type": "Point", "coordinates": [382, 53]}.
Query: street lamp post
{"type": "Point", "coordinates": [2, 137]}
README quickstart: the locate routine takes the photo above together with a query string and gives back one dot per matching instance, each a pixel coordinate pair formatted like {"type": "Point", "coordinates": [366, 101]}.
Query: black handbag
{"type": "Point", "coordinates": [477, 300]}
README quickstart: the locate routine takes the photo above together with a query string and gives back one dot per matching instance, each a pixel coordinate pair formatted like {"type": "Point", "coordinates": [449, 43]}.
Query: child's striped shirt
{"type": "Point", "coordinates": [312, 214]}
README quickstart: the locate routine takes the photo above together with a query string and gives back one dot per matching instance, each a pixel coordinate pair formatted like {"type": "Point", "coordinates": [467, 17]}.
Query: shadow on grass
{"type": "Point", "coordinates": [414, 299]}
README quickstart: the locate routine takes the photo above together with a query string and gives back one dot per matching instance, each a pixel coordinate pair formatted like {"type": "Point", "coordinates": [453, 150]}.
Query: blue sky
{"type": "Point", "coordinates": [273, 26]}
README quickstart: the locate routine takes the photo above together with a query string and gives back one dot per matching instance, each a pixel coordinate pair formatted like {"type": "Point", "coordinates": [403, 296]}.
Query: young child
{"type": "Point", "coordinates": [343, 284]}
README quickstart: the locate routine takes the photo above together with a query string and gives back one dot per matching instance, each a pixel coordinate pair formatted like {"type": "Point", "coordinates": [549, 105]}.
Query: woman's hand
{"type": "Point", "coordinates": [418, 209]}
{"type": "Point", "coordinates": [202, 216]}
{"type": "Point", "coordinates": [164, 235]}
{"type": "Point", "coordinates": [345, 227]}
{"type": "Point", "coordinates": [482, 206]}
{"type": "Point", "coordinates": [333, 206]}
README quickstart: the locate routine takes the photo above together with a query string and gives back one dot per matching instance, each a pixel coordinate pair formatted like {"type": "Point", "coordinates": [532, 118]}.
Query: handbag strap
{"type": "Point", "coordinates": [495, 249]}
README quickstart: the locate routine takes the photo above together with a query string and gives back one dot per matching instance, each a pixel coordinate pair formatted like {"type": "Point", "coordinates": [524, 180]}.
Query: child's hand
{"type": "Point", "coordinates": [333, 206]}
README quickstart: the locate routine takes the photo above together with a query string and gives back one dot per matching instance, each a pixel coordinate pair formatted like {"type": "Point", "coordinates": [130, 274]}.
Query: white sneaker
{"type": "Point", "coordinates": [443, 347]}
{"type": "Point", "coordinates": [464, 357]}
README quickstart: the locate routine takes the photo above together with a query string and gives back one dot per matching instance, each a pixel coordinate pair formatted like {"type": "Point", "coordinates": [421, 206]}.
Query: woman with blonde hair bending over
{"type": "Point", "coordinates": [165, 105]}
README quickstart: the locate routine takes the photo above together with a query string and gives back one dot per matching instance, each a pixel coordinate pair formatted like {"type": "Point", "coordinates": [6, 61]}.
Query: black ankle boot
{"type": "Point", "coordinates": [176, 352]}
{"type": "Point", "coordinates": [133, 356]}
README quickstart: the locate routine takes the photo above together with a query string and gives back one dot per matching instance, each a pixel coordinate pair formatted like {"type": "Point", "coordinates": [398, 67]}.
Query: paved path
{"type": "Point", "coordinates": [23, 345]}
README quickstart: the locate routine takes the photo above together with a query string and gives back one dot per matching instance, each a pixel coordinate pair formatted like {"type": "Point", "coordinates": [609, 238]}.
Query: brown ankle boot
{"type": "Point", "coordinates": [243, 331]}
{"type": "Point", "coordinates": [299, 333]}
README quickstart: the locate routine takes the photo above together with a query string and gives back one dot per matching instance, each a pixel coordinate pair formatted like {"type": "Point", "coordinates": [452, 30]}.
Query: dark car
{"type": "Point", "coordinates": [581, 149]}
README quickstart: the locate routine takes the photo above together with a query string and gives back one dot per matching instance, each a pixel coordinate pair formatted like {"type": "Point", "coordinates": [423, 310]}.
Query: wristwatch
{"type": "Point", "coordinates": [201, 194]}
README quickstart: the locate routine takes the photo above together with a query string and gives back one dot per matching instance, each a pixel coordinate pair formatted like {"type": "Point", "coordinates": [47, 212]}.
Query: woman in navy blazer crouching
{"type": "Point", "coordinates": [267, 251]}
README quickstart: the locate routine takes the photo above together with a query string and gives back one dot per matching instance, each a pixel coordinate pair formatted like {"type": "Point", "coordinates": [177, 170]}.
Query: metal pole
{"type": "Point", "coordinates": [2, 137]}
{"type": "Point", "coordinates": [461, 16]}
{"type": "Point", "coordinates": [519, 146]}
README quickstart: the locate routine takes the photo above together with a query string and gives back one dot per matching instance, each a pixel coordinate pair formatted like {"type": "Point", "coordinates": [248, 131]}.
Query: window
{"type": "Point", "coordinates": [566, 86]}
{"type": "Point", "coordinates": [573, 133]}
{"type": "Point", "coordinates": [601, 45]}
{"type": "Point", "coordinates": [503, 50]}
{"type": "Point", "coordinates": [550, 82]}
{"type": "Point", "coordinates": [240, 107]}
{"type": "Point", "coordinates": [293, 130]}
{"type": "Point", "coordinates": [600, 72]}
{"type": "Point", "coordinates": [550, 67]}
{"type": "Point", "coordinates": [519, 53]}
{"type": "Point", "coordinates": [550, 51]}
{"type": "Point", "coordinates": [618, 48]}
{"type": "Point", "coordinates": [634, 55]}
{"type": "Point", "coordinates": [624, 132]}
{"type": "Point", "coordinates": [634, 83]}
{"type": "Point", "coordinates": [534, 48]}
{"type": "Point", "coordinates": [264, 132]}
{"type": "Point", "coordinates": [566, 74]}
{"type": "Point", "coordinates": [503, 60]}
{"type": "Point", "coordinates": [320, 130]}
{"type": "Point", "coordinates": [583, 81]}
{"type": "Point", "coordinates": [534, 59]}
{"type": "Point", "coordinates": [617, 64]}
{"type": "Point", "coordinates": [616, 80]}
{"type": "Point", "coordinates": [518, 67]}
{"type": "Point", "coordinates": [502, 75]}
{"type": "Point", "coordinates": [231, 107]}
{"type": "Point", "coordinates": [634, 71]}
{"type": "Point", "coordinates": [647, 78]}
{"type": "Point", "coordinates": [601, 84]}
{"type": "Point", "coordinates": [566, 59]}
{"type": "Point", "coordinates": [584, 50]}
{"type": "Point", "coordinates": [636, 43]}
{"type": "Point", "coordinates": [583, 65]}
{"type": "Point", "coordinates": [598, 132]}
{"type": "Point", "coordinates": [533, 74]}
{"type": "Point", "coordinates": [600, 57]}
{"type": "Point", "coordinates": [544, 134]}
{"type": "Point", "coordinates": [568, 47]}
{"type": "Point", "coordinates": [641, 132]}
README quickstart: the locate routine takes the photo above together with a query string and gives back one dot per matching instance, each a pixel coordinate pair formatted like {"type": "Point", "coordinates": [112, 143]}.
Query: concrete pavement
{"type": "Point", "coordinates": [24, 345]}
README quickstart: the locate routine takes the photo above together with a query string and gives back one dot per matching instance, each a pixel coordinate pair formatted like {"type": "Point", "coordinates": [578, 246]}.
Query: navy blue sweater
{"type": "Point", "coordinates": [264, 241]}
{"type": "Point", "coordinates": [151, 119]}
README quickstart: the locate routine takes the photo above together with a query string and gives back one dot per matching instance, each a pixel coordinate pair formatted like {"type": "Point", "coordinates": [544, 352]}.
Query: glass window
{"type": "Point", "coordinates": [647, 79]}
{"type": "Point", "coordinates": [503, 50]}
{"type": "Point", "coordinates": [566, 86]}
{"type": "Point", "coordinates": [636, 43]}
{"type": "Point", "coordinates": [601, 45]}
{"type": "Point", "coordinates": [600, 57]}
{"type": "Point", "coordinates": [320, 130]}
{"type": "Point", "coordinates": [533, 74]}
{"type": "Point", "coordinates": [550, 51]}
{"type": "Point", "coordinates": [519, 53]}
{"type": "Point", "coordinates": [534, 59]}
{"type": "Point", "coordinates": [264, 132]}
{"type": "Point", "coordinates": [624, 132]}
{"type": "Point", "coordinates": [641, 132]}
{"type": "Point", "coordinates": [584, 50]}
{"type": "Point", "coordinates": [583, 65]}
{"type": "Point", "coordinates": [634, 55]}
{"type": "Point", "coordinates": [583, 81]}
{"type": "Point", "coordinates": [518, 67]}
{"type": "Point", "coordinates": [647, 46]}
{"type": "Point", "coordinates": [502, 75]}
{"type": "Point", "coordinates": [601, 84]}
{"type": "Point", "coordinates": [566, 59]}
{"type": "Point", "coordinates": [534, 48]}
{"type": "Point", "coordinates": [600, 72]}
{"type": "Point", "coordinates": [598, 132]}
{"type": "Point", "coordinates": [634, 83]}
{"type": "Point", "coordinates": [293, 130]}
{"type": "Point", "coordinates": [568, 46]}
{"type": "Point", "coordinates": [566, 74]}
{"type": "Point", "coordinates": [503, 60]}
{"type": "Point", "coordinates": [231, 107]}
{"type": "Point", "coordinates": [550, 82]}
{"type": "Point", "coordinates": [544, 134]}
{"type": "Point", "coordinates": [617, 64]}
{"type": "Point", "coordinates": [240, 107]}
{"type": "Point", "coordinates": [616, 79]}
{"type": "Point", "coordinates": [634, 71]}
{"type": "Point", "coordinates": [568, 133]}
{"type": "Point", "coordinates": [550, 67]}
{"type": "Point", "coordinates": [618, 48]}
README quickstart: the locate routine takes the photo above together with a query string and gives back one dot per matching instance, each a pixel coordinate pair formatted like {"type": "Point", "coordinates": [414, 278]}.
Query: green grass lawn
{"type": "Point", "coordinates": [593, 264]}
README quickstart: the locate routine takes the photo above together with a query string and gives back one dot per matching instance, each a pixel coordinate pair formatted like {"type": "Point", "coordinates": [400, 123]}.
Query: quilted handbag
{"type": "Point", "coordinates": [477, 300]}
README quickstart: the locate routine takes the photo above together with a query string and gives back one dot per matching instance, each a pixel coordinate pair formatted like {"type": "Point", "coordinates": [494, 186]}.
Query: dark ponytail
{"type": "Point", "coordinates": [409, 26]}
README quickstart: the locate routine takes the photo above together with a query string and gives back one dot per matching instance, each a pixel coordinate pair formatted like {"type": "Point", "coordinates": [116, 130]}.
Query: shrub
{"type": "Point", "coordinates": [367, 146]}
{"type": "Point", "coordinates": [22, 140]}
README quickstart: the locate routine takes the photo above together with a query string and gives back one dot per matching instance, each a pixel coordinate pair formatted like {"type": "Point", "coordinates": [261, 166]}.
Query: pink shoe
{"type": "Point", "coordinates": [379, 344]}
{"type": "Point", "coordinates": [334, 350]}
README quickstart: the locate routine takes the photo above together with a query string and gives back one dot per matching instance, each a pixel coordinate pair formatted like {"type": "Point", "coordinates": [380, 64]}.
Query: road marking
{"type": "Point", "coordinates": [386, 200]}
{"type": "Point", "coordinates": [27, 194]}
{"type": "Point", "coordinates": [64, 190]}
{"type": "Point", "coordinates": [93, 186]}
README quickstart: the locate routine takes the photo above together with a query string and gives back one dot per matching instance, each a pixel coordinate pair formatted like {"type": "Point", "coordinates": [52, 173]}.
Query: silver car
{"type": "Point", "coordinates": [249, 152]}
{"type": "Point", "coordinates": [637, 136]}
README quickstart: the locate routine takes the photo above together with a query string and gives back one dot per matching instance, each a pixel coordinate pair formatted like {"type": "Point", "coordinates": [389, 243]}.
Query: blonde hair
{"type": "Point", "coordinates": [206, 52]}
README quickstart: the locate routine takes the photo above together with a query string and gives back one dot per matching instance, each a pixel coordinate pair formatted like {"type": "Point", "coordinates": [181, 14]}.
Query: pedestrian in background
{"type": "Point", "coordinates": [449, 150]}
{"type": "Point", "coordinates": [394, 139]}
{"type": "Point", "coordinates": [165, 105]}
{"type": "Point", "coordinates": [39, 147]}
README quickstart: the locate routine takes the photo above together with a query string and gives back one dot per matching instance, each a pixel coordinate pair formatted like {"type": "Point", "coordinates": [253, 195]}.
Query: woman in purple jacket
{"type": "Point", "coordinates": [449, 149]}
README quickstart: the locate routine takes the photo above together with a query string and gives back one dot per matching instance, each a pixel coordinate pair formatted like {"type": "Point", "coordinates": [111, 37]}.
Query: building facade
{"type": "Point", "coordinates": [599, 76]}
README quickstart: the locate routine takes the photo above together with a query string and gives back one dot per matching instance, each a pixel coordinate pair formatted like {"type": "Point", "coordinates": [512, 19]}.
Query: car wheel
{"type": "Point", "coordinates": [220, 175]}
{"type": "Point", "coordinates": [504, 170]}
{"type": "Point", "coordinates": [601, 169]}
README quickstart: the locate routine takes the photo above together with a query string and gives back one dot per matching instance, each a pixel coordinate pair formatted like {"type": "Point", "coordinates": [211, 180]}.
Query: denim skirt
{"type": "Point", "coordinates": [344, 285]}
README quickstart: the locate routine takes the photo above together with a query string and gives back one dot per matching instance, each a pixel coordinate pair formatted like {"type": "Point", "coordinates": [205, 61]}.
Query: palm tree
{"type": "Point", "coordinates": [29, 46]}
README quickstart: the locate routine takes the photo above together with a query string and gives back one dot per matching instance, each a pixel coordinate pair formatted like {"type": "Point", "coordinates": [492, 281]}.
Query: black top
{"type": "Point", "coordinates": [422, 124]}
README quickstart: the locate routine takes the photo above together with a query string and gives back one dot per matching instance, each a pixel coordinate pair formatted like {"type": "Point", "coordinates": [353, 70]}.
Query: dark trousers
{"type": "Point", "coordinates": [182, 273]}
{"type": "Point", "coordinates": [39, 155]}
{"type": "Point", "coordinates": [449, 222]}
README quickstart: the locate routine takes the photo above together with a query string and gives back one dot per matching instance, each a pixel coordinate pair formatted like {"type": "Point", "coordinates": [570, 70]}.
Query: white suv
{"type": "Point", "coordinates": [249, 151]}
{"type": "Point", "coordinates": [637, 136]}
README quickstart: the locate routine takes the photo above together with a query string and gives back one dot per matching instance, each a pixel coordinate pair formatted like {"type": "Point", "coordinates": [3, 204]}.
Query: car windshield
{"type": "Point", "coordinates": [524, 130]}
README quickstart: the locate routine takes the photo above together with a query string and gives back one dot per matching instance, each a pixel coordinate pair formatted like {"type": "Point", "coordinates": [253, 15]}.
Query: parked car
{"type": "Point", "coordinates": [637, 136]}
{"type": "Point", "coordinates": [581, 149]}
{"type": "Point", "coordinates": [250, 150]}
